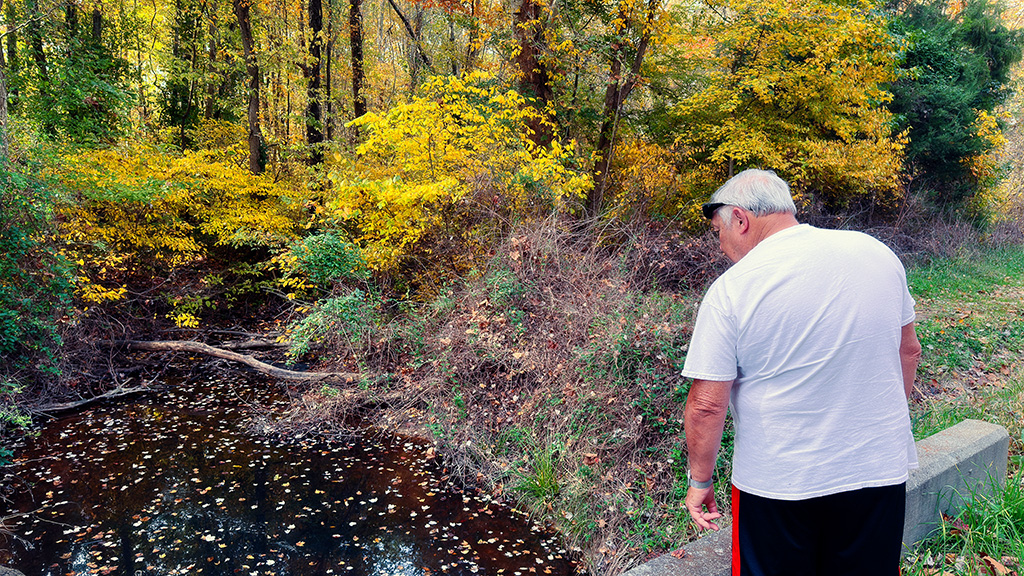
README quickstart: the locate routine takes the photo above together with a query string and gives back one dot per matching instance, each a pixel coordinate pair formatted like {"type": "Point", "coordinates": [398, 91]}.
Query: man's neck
{"type": "Point", "coordinates": [765, 226]}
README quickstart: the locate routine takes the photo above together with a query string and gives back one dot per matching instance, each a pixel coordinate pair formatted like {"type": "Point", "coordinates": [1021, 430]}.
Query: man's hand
{"type": "Point", "coordinates": [696, 500]}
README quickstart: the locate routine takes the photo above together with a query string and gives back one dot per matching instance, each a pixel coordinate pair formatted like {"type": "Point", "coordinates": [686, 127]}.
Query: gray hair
{"type": "Point", "coordinates": [761, 192]}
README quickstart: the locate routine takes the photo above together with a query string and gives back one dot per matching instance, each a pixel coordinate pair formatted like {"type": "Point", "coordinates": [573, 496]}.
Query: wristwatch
{"type": "Point", "coordinates": [698, 485]}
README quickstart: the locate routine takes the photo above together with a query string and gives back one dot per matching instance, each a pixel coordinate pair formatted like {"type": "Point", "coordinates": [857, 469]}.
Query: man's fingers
{"type": "Point", "coordinates": [696, 501]}
{"type": "Point", "coordinates": [704, 521]}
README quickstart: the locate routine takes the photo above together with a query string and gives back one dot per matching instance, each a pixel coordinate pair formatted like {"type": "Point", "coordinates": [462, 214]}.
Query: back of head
{"type": "Point", "coordinates": [759, 191]}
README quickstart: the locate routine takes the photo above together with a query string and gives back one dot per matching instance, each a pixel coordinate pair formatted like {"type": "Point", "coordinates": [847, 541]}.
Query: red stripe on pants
{"type": "Point", "coordinates": [735, 531]}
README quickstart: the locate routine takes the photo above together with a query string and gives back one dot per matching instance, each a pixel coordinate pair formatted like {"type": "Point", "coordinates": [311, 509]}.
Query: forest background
{"type": "Point", "coordinates": [488, 210]}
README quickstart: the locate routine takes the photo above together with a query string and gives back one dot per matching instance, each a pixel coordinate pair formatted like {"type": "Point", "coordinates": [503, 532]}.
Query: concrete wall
{"type": "Point", "coordinates": [964, 459]}
{"type": "Point", "coordinates": [967, 458]}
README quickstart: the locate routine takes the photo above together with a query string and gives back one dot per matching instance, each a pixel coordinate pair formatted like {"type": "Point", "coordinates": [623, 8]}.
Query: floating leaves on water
{"type": "Point", "coordinates": [173, 485]}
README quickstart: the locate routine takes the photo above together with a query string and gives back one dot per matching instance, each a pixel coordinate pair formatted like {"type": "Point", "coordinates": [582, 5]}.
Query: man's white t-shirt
{"type": "Point", "coordinates": [808, 324]}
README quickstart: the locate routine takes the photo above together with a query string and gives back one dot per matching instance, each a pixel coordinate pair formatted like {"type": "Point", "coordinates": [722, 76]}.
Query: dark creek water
{"type": "Point", "coordinates": [171, 484]}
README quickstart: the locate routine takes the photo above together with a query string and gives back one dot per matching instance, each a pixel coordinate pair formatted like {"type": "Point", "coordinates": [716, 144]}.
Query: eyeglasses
{"type": "Point", "coordinates": [709, 209]}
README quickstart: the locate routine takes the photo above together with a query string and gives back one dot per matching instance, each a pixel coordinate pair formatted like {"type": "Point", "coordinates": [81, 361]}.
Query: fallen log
{"type": "Point", "coordinates": [262, 367]}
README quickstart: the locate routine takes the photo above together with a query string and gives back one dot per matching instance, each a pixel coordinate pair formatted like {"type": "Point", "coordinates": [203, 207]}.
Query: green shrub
{"type": "Point", "coordinates": [326, 258]}
{"type": "Point", "coordinates": [35, 280]}
{"type": "Point", "coordinates": [345, 319]}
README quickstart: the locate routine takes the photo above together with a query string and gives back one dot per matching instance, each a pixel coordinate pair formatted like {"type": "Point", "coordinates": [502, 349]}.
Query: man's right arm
{"type": "Point", "coordinates": [910, 356]}
{"type": "Point", "coordinates": [706, 407]}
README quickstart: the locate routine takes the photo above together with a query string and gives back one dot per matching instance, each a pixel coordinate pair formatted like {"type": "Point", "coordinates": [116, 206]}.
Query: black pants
{"type": "Point", "coordinates": [856, 533]}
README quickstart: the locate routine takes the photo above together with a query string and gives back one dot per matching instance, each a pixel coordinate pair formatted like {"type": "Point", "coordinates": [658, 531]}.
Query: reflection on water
{"type": "Point", "coordinates": [170, 484]}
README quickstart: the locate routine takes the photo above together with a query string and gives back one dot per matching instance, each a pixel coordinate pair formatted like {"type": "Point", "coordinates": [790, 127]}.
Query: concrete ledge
{"type": "Point", "coordinates": [969, 458]}
{"type": "Point", "coordinates": [707, 556]}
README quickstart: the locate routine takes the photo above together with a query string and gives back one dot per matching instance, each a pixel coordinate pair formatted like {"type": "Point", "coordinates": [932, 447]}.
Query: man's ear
{"type": "Point", "coordinates": [741, 220]}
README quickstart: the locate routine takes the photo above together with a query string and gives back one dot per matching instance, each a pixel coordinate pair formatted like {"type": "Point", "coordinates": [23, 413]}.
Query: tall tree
{"type": "Point", "coordinates": [71, 19]}
{"type": "Point", "coordinates": [314, 73]}
{"type": "Point", "coordinates": [355, 29]}
{"type": "Point", "coordinates": [329, 108]}
{"type": "Point", "coordinates": [958, 65]}
{"type": "Point", "coordinates": [97, 25]}
{"type": "Point", "coordinates": [632, 39]}
{"type": "Point", "coordinates": [35, 34]}
{"type": "Point", "coordinates": [213, 47]}
{"type": "Point", "coordinates": [415, 61]}
{"type": "Point", "coordinates": [798, 88]}
{"type": "Point", "coordinates": [252, 68]}
{"type": "Point", "coordinates": [528, 26]}
{"type": "Point", "coordinates": [11, 37]}
{"type": "Point", "coordinates": [4, 116]}
{"type": "Point", "coordinates": [414, 36]}
{"type": "Point", "coordinates": [181, 92]}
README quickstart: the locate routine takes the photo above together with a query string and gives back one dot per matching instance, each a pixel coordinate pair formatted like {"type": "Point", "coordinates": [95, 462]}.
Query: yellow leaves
{"type": "Point", "coordinates": [148, 204]}
{"type": "Point", "coordinates": [423, 159]}
{"type": "Point", "coordinates": [391, 213]}
{"type": "Point", "coordinates": [799, 88]}
{"type": "Point", "coordinates": [647, 179]}
{"type": "Point", "coordinates": [184, 319]}
{"type": "Point", "coordinates": [96, 294]}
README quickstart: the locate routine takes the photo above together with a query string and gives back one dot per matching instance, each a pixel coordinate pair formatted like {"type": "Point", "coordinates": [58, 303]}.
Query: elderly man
{"type": "Point", "coordinates": [809, 339]}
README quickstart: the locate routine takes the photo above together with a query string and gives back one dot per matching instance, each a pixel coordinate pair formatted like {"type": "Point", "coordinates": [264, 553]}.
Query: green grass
{"type": "Point", "coordinates": [541, 481]}
{"type": "Point", "coordinates": [971, 325]}
{"type": "Point", "coordinates": [966, 274]}
{"type": "Point", "coordinates": [990, 526]}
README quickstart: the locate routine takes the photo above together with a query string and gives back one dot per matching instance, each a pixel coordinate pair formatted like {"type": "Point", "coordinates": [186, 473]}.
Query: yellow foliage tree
{"type": "Point", "coordinates": [797, 87]}
{"type": "Point", "coordinates": [464, 145]}
{"type": "Point", "coordinates": [134, 205]}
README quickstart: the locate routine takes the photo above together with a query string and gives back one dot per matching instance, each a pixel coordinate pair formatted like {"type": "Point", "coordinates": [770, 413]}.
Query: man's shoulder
{"type": "Point", "coordinates": [854, 238]}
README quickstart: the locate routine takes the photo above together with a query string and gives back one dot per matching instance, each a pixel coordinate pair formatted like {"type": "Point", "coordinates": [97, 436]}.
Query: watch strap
{"type": "Point", "coordinates": [697, 484]}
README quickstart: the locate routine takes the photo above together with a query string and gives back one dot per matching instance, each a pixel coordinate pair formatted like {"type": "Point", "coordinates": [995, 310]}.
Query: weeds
{"type": "Point", "coordinates": [986, 538]}
{"type": "Point", "coordinates": [551, 378]}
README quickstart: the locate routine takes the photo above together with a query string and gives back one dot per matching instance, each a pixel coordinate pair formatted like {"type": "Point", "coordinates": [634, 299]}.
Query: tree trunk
{"type": "Point", "coordinates": [535, 81]}
{"type": "Point", "coordinates": [618, 90]}
{"type": "Point", "coordinates": [211, 59]}
{"type": "Point", "coordinates": [252, 68]}
{"type": "Point", "coordinates": [97, 26]}
{"type": "Point", "coordinates": [314, 113]}
{"type": "Point", "coordinates": [35, 35]}
{"type": "Point", "coordinates": [4, 118]}
{"type": "Point", "coordinates": [268, 369]}
{"type": "Point", "coordinates": [71, 20]}
{"type": "Point", "coordinates": [355, 28]}
{"type": "Point", "coordinates": [413, 35]}
{"type": "Point", "coordinates": [12, 38]}
{"type": "Point", "coordinates": [328, 80]}
{"type": "Point", "coordinates": [414, 60]}
{"type": "Point", "coordinates": [36, 42]}
{"type": "Point", "coordinates": [453, 59]}
{"type": "Point", "coordinates": [473, 48]}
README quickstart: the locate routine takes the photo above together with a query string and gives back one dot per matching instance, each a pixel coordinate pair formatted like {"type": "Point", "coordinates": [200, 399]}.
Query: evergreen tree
{"type": "Point", "coordinates": [956, 66]}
